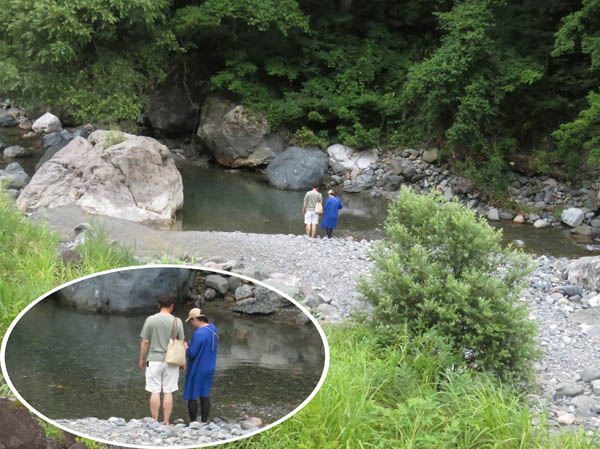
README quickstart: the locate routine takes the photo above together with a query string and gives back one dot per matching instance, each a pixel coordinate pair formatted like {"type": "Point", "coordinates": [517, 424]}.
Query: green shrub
{"type": "Point", "coordinates": [443, 268]}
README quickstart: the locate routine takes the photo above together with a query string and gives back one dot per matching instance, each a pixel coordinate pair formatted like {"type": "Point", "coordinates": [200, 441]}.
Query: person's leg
{"type": "Point", "coordinates": [193, 409]}
{"type": "Point", "coordinates": [308, 230]}
{"type": "Point", "coordinates": [167, 406]}
{"type": "Point", "coordinates": [329, 232]}
{"type": "Point", "coordinates": [204, 409]}
{"type": "Point", "coordinates": [154, 405]}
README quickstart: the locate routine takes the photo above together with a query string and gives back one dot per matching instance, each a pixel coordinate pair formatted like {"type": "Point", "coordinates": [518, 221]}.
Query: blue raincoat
{"type": "Point", "coordinates": [330, 212]}
{"type": "Point", "coordinates": [201, 362]}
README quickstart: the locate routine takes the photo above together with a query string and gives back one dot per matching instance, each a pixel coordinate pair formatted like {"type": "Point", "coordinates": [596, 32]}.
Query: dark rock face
{"type": "Point", "coordinates": [129, 291]}
{"type": "Point", "coordinates": [297, 168]}
{"type": "Point", "coordinates": [18, 428]}
{"type": "Point", "coordinates": [170, 110]}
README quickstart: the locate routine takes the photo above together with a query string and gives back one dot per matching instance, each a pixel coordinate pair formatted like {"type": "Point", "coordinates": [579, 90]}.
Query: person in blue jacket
{"type": "Point", "coordinates": [201, 361]}
{"type": "Point", "coordinates": [330, 213]}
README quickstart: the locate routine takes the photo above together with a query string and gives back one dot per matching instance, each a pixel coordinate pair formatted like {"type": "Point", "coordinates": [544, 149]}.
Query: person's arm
{"type": "Point", "coordinates": [143, 350]}
{"type": "Point", "coordinates": [194, 346]}
{"type": "Point", "coordinates": [304, 207]}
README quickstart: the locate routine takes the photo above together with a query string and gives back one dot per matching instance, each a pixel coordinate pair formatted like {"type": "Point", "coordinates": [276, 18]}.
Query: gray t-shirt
{"type": "Point", "coordinates": [312, 197]}
{"type": "Point", "coordinates": [157, 329]}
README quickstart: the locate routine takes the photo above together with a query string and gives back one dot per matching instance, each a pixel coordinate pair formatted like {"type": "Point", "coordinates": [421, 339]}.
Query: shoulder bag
{"type": "Point", "coordinates": [319, 208]}
{"type": "Point", "coordinates": [175, 349]}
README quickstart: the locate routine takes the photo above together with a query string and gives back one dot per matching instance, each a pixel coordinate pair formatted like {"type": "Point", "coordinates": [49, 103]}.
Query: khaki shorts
{"type": "Point", "coordinates": [161, 377]}
{"type": "Point", "coordinates": [311, 217]}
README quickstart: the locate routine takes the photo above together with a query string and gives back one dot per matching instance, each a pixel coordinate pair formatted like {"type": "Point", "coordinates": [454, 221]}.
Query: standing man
{"type": "Point", "coordinates": [311, 218]}
{"type": "Point", "coordinates": [160, 377]}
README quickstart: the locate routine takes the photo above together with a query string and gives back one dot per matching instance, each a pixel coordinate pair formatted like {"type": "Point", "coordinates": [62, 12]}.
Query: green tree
{"type": "Point", "coordinates": [442, 268]}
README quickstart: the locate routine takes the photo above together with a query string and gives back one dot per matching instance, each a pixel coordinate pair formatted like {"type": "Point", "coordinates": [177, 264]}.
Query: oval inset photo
{"type": "Point", "coordinates": [165, 356]}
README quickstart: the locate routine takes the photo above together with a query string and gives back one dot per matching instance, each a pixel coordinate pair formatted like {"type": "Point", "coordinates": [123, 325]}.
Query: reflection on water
{"type": "Point", "coordinates": [68, 364]}
{"type": "Point", "coordinates": [14, 136]}
{"type": "Point", "coordinates": [236, 200]}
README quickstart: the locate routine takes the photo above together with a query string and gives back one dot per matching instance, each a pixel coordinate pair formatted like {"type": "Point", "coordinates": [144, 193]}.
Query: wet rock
{"type": "Point", "coordinates": [493, 214]}
{"type": "Point", "coordinates": [243, 292]}
{"type": "Point", "coordinates": [7, 120]}
{"type": "Point", "coordinates": [584, 230]}
{"type": "Point", "coordinates": [540, 223]}
{"type": "Point", "coordinates": [251, 306]}
{"type": "Point", "coordinates": [572, 290]}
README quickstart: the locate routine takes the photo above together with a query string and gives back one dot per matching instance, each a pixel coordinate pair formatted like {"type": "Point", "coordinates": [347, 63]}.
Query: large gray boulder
{"type": "Point", "coordinates": [129, 291]}
{"type": "Point", "coordinates": [585, 272]}
{"type": "Point", "coordinates": [113, 174]}
{"type": "Point", "coordinates": [170, 110]}
{"type": "Point", "coordinates": [297, 168]}
{"type": "Point", "coordinates": [235, 136]}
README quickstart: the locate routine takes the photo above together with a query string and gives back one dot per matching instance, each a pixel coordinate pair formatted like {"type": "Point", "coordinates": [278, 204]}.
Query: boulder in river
{"type": "Point", "coordinates": [7, 120]}
{"type": "Point", "coordinates": [54, 142]}
{"type": "Point", "coordinates": [14, 176]}
{"type": "Point", "coordinates": [236, 137]}
{"type": "Point", "coordinates": [47, 123]}
{"type": "Point", "coordinates": [111, 173]}
{"type": "Point", "coordinates": [128, 291]}
{"type": "Point", "coordinates": [297, 168]}
{"type": "Point", "coordinates": [17, 151]}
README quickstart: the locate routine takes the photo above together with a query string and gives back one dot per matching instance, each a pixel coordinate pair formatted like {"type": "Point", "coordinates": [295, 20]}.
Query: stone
{"type": "Point", "coordinates": [234, 283]}
{"type": "Point", "coordinates": [243, 292]}
{"type": "Point", "coordinates": [493, 214]}
{"type": "Point", "coordinates": [572, 217]}
{"type": "Point", "coordinates": [210, 294]}
{"type": "Point", "coordinates": [596, 387]}
{"type": "Point", "coordinates": [18, 428]}
{"type": "Point", "coordinates": [568, 390]}
{"type": "Point", "coordinates": [17, 151]}
{"type": "Point", "coordinates": [302, 318]}
{"type": "Point", "coordinates": [572, 290]}
{"type": "Point", "coordinates": [589, 317]}
{"type": "Point", "coordinates": [170, 109]}
{"type": "Point", "coordinates": [270, 297]}
{"type": "Point", "coordinates": [540, 223]}
{"type": "Point", "coordinates": [566, 420]}
{"type": "Point", "coordinates": [251, 306]}
{"type": "Point", "coordinates": [584, 403]}
{"type": "Point", "coordinates": [584, 229]}
{"type": "Point", "coordinates": [519, 219]}
{"type": "Point", "coordinates": [430, 156]}
{"type": "Point", "coordinates": [362, 182]}
{"type": "Point", "coordinates": [54, 142]}
{"type": "Point", "coordinates": [235, 136]}
{"type": "Point", "coordinates": [112, 174]}
{"type": "Point", "coordinates": [590, 373]}
{"type": "Point", "coordinates": [14, 176]}
{"type": "Point", "coordinates": [297, 169]}
{"type": "Point", "coordinates": [462, 186]}
{"type": "Point", "coordinates": [127, 291]}
{"type": "Point", "coordinates": [47, 123]}
{"type": "Point", "coordinates": [219, 283]}
{"type": "Point", "coordinates": [7, 120]}
{"type": "Point", "coordinates": [392, 182]}
{"type": "Point", "coordinates": [585, 271]}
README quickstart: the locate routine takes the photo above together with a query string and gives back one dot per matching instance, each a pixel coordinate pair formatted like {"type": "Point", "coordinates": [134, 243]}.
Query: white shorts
{"type": "Point", "coordinates": [161, 377]}
{"type": "Point", "coordinates": [311, 217]}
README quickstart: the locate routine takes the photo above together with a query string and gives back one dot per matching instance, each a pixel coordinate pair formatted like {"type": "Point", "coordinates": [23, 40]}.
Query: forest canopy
{"type": "Point", "coordinates": [479, 79]}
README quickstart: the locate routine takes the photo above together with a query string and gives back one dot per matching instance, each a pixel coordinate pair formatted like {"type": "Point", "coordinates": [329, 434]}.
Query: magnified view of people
{"type": "Point", "coordinates": [201, 358]}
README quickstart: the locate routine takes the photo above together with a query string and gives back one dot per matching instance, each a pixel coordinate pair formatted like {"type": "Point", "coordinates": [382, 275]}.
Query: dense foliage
{"type": "Point", "coordinates": [480, 79]}
{"type": "Point", "coordinates": [443, 269]}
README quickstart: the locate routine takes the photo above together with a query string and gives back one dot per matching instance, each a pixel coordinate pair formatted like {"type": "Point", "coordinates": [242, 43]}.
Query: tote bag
{"type": "Point", "coordinates": [319, 208]}
{"type": "Point", "coordinates": [175, 349]}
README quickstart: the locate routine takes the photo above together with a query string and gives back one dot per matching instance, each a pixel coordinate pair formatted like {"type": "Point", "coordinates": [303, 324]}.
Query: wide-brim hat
{"type": "Point", "coordinates": [194, 313]}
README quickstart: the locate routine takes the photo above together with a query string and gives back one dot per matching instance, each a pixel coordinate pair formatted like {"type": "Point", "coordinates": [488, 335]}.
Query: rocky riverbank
{"type": "Point", "coordinates": [148, 432]}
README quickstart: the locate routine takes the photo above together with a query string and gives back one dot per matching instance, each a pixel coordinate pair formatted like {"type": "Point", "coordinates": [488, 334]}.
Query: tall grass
{"type": "Point", "coordinates": [391, 398]}
{"type": "Point", "coordinates": [30, 263]}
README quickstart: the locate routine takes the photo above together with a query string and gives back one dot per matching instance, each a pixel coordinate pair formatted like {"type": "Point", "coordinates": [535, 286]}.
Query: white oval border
{"type": "Point", "coordinates": [187, 267]}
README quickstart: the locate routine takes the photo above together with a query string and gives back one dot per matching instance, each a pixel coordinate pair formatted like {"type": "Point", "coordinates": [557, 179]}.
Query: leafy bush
{"type": "Point", "coordinates": [443, 268]}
